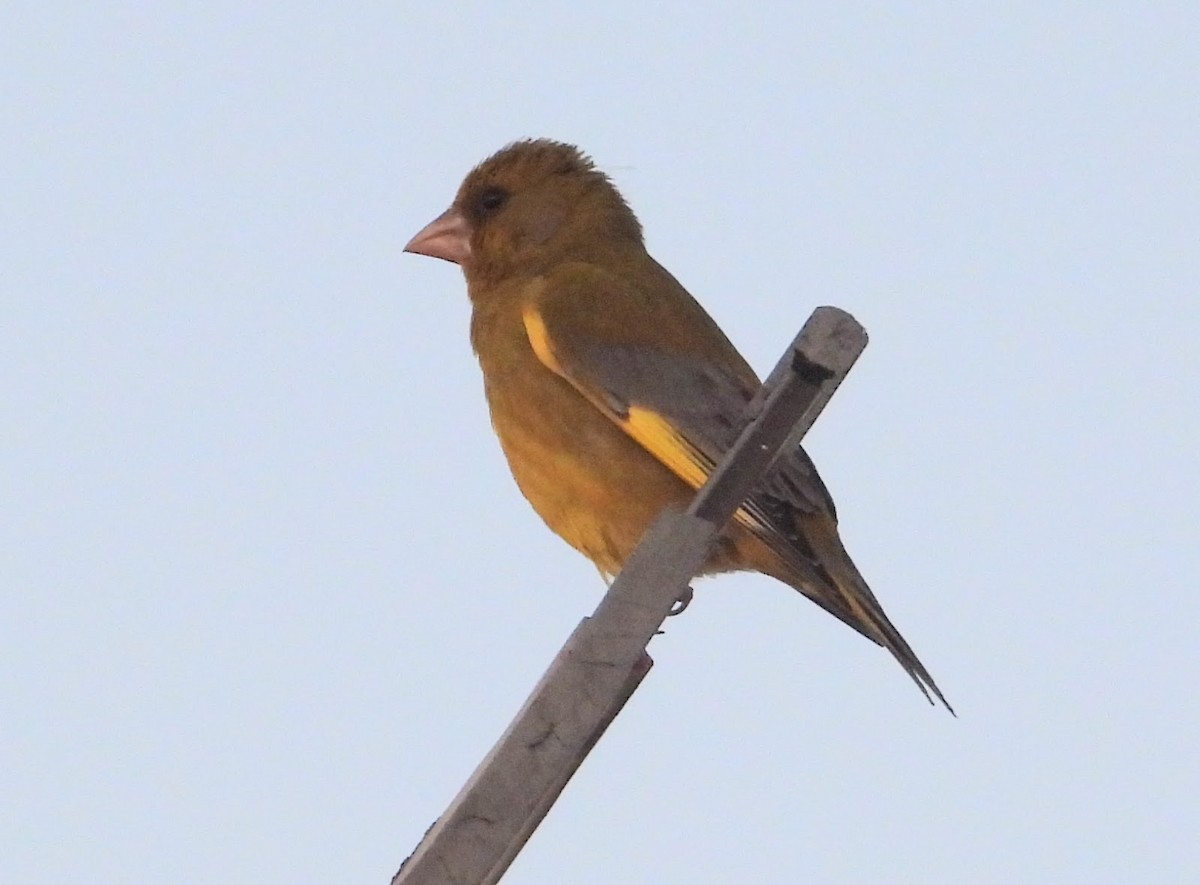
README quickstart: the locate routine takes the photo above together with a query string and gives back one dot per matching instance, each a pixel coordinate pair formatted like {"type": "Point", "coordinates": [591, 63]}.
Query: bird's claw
{"type": "Point", "coordinates": [681, 603]}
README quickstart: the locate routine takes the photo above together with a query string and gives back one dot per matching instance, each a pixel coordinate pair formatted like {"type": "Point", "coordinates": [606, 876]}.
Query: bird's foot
{"type": "Point", "coordinates": [681, 603]}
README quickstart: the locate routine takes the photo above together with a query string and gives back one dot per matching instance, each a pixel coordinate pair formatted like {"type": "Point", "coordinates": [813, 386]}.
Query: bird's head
{"type": "Point", "coordinates": [527, 206]}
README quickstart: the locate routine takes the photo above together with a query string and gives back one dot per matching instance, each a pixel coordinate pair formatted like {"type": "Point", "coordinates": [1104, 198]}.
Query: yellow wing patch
{"type": "Point", "coordinates": [539, 338]}
{"type": "Point", "coordinates": [650, 430]}
{"type": "Point", "coordinates": [658, 437]}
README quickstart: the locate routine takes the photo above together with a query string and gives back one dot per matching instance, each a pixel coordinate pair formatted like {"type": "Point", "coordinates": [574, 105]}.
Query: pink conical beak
{"type": "Point", "coordinates": [447, 237]}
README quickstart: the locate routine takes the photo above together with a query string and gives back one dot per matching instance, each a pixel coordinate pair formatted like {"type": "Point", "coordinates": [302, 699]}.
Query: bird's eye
{"type": "Point", "coordinates": [490, 200]}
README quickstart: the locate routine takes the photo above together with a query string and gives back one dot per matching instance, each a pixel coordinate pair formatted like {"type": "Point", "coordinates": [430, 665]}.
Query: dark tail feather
{"type": "Point", "coordinates": [857, 598]}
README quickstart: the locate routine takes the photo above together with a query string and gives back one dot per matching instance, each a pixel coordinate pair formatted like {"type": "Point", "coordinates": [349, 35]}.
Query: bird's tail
{"type": "Point", "coordinates": [859, 603]}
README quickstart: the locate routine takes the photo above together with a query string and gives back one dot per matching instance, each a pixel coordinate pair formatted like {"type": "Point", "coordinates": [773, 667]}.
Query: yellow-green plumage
{"type": "Point", "coordinates": [613, 392]}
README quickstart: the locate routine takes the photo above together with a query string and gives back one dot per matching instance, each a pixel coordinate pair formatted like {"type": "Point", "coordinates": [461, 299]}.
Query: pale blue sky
{"type": "Point", "coordinates": [270, 593]}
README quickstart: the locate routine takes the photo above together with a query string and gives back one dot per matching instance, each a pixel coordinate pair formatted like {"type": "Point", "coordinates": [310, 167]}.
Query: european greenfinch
{"type": "Point", "coordinates": [614, 394]}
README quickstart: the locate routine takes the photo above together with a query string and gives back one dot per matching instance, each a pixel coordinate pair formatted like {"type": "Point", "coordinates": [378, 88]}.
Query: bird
{"type": "Point", "coordinates": [613, 392]}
